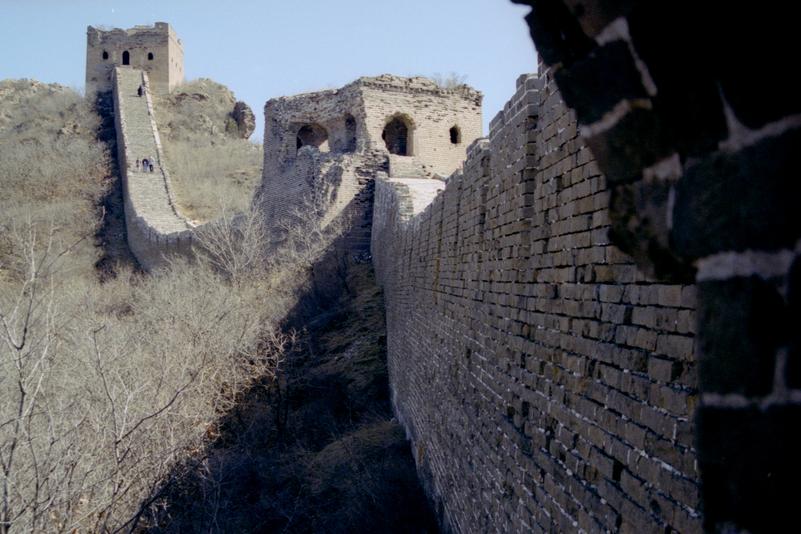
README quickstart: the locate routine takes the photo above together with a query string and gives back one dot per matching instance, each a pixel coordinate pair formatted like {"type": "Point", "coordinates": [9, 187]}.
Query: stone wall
{"type": "Point", "coordinates": [699, 151]}
{"type": "Point", "coordinates": [322, 150]}
{"type": "Point", "coordinates": [154, 226]}
{"type": "Point", "coordinates": [154, 49]}
{"type": "Point", "coordinates": [431, 112]}
{"type": "Point", "coordinates": [546, 383]}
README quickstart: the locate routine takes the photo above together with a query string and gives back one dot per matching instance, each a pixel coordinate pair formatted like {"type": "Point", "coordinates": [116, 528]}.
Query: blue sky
{"type": "Point", "coordinates": [263, 49]}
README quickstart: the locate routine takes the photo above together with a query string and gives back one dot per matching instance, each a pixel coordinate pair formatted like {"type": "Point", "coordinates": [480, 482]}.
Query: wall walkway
{"type": "Point", "coordinates": [154, 225]}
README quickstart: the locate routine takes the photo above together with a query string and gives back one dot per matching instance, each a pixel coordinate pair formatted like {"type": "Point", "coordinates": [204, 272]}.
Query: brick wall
{"type": "Point", "coordinates": [335, 177]}
{"type": "Point", "coordinates": [166, 68]}
{"type": "Point", "coordinates": [432, 112]}
{"type": "Point", "coordinates": [692, 110]}
{"type": "Point", "coordinates": [153, 224]}
{"type": "Point", "coordinates": [546, 383]}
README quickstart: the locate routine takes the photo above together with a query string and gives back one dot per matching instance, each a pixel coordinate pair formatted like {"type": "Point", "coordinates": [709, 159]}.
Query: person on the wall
{"type": "Point", "coordinates": [140, 91]}
{"type": "Point", "coordinates": [145, 163]}
{"type": "Point", "coordinates": [137, 164]}
{"type": "Point", "coordinates": [151, 167]}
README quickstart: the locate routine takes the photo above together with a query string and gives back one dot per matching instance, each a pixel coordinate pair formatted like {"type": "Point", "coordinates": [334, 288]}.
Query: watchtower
{"type": "Point", "coordinates": [155, 49]}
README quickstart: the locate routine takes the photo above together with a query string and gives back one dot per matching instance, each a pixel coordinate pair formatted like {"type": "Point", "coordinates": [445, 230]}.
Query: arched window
{"type": "Point", "coordinates": [397, 136]}
{"type": "Point", "coordinates": [312, 135]}
{"type": "Point", "coordinates": [456, 135]}
{"type": "Point", "coordinates": [350, 133]}
{"type": "Point", "coordinates": [150, 56]}
{"type": "Point", "coordinates": [126, 58]}
{"type": "Point", "coordinates": [105, 55]}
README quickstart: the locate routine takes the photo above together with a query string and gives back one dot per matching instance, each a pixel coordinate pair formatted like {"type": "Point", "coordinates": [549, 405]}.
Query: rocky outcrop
{"type": "Point", "coordinates": [245, 119]}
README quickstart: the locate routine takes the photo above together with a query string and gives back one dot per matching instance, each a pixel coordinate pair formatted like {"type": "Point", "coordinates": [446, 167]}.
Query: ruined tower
{"type": "Point", "coordinates": [155, 49]}
{"type": "Point", "coordinates": [327, 147]}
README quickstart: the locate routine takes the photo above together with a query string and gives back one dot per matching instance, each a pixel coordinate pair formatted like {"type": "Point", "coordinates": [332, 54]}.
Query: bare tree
{"type": "Point", "coordinates": [235, 244]}
{"type": "Point", "coordinates": [104, 390]}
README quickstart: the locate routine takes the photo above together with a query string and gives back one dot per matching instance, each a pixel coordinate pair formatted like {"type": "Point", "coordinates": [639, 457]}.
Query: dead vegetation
{"type": "Point", "coordinates": [314, 451]}
{"type": "Point", "coordinates": [212, 168]}
{"type": "Point", "coordinates": [180, 399]}
{"type": "Point", "coordinates": [53, 170]}
{"type": "Point", "coordinates": [103, 387]}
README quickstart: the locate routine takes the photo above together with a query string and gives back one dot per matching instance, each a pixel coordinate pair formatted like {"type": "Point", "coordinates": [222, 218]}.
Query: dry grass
{"type": "Point", "coordinates": [53, 170]}
{"type": "Point", "coordinates": [208, 177]}
{"type": "Point", "coordinates": [210, 166]}
{"type": "Point", "coordinates": [104, 387]}
{"type": "Point", "coordinates": [107, 391]}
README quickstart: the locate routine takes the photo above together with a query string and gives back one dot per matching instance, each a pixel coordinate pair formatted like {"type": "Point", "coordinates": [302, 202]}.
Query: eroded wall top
{"type": "Point", "coordinates": [411, 117]}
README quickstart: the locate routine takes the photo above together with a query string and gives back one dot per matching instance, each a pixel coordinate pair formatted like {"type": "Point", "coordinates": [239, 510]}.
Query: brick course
{"type": "Point", "coordinates": [546, 383]}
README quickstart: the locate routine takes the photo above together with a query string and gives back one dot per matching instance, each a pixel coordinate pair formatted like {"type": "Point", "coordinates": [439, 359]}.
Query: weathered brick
{"type": "Point", "coordinates": [576, 368]}
{"type": "Point", "coordinates": [746, 217]}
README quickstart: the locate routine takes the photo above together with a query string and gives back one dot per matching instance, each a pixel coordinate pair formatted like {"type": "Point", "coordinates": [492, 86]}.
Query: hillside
{"type": "Point", "coordinates": [318, 450]}
{"type": "Point", "coordinates": [212, 164]}
{"type": "Point", "coordinates": [54, 171]}
{"type": "Point", "coordinates": [116, 383]}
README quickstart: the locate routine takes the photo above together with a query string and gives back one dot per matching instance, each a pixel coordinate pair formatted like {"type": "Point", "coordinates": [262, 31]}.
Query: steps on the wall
{"type": "Point", "coordinates": [406, 167]}
{"type": "Point", "coordinates": [154, 225]}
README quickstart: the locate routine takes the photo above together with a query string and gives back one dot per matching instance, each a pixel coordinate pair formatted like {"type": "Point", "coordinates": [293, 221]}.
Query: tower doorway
{"type": "Point", "coordinates": [396, 137]}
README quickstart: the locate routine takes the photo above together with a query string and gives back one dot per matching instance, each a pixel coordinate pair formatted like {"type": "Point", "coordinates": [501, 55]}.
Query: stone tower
{"type": "Point", "coordinates": [155, 49]}
{"type": "Point", "coordinates": [322, 150]}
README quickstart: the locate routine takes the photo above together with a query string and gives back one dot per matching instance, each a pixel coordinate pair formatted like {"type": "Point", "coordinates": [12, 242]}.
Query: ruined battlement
{"type": "Point", "coordinates": [155, 49]}
{"type": "Point", "coordinates": [328, 146]}
{"type": "Point", "coordinates": [418, 85]}
{"type": "Point", "coordinates": [382, 113]}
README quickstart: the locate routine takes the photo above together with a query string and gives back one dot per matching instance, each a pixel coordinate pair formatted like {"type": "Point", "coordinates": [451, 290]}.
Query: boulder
{"type": "Point", "coordinates": [245, 119]}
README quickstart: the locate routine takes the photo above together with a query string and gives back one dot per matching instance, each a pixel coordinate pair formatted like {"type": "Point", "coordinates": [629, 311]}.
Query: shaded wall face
{"type": "Point", "coordinates": [175, 62]}
{"type": "Point", "coordinates": [313, 173]}
{"type": "Point", "coordinates": [429, 119]}
{"type": "Point", "coordinates": [699, 150]}
{"type": "Point", "coordinates": [546, 382]}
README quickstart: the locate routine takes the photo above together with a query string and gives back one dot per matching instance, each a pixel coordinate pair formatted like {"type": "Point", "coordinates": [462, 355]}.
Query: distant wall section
{"type": "Point", "coordinates": [154, 227]}
{"type": "Point", "coordinates": [322, 150]}
{"type": "Point", "coordinates": [441, 122]}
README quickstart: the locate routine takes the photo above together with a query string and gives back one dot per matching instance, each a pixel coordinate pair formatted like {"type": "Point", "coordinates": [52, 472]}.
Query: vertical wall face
{"type": "Point", "coordinates": [156, 50]}
{"type": "Point", "coordinates": [701, 157]}
{"type": "Point", "coordinates": [310, 158]}
{"type": "Point", "coordinates": [429, 112]}
{"type": "Point", "coordinates": [546, 383]}
{"type": "Point", "coordinates": [175, 61]}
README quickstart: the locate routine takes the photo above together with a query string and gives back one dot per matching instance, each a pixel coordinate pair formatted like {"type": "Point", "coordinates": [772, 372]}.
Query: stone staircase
{"type": "Point", "coordinates": [154, 225]}
{"type": "Point", "coordinates": [406, 167]}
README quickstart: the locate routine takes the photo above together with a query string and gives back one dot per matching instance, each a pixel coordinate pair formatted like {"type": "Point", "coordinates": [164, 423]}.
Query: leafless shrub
{"type": "Point", "coordinates": [206, 162]}
{"type": "Point", "coordinates": [104, 389]}
{"type": "Point", "coordinates": [52, 169]}
{"type": "Point", "coordinates": [449, 81]}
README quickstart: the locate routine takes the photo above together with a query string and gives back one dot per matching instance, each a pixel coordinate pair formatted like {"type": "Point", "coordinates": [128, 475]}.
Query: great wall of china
{"type": "Point", "coordinates": [153, 223]}
{"type": "Point", "coordinates": [549, 381]}
{"type": "Point", "coordinates": [545, 382]}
